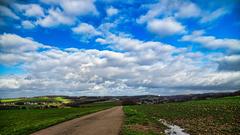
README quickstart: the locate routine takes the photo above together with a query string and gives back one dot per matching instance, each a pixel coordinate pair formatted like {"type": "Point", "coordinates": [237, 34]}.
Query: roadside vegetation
{"type": "Point", "coordinates": [26, 121]}
{"type": "Point", "coordinates": [205, 117]}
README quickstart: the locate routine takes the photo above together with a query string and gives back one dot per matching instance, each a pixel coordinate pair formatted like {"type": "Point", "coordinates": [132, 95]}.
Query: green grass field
{"type": "Point", "coordinates": [36, 99]}
{"type": "Point", "coordinates": [63, 100]}
{"type": "Point", "coordinates": [10, 100]}
{"type": "Point", "coordinates": [16, 122]}
{"type": "Point", "coordinates": [205, 117]}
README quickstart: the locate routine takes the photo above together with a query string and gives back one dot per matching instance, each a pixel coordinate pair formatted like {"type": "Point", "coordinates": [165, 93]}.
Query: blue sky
{"type": "Point", "coordinates": [113, 47]}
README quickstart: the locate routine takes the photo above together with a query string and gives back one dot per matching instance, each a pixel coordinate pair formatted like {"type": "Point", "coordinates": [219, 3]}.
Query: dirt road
{"type": "Point", "coordinates": [106, 122]}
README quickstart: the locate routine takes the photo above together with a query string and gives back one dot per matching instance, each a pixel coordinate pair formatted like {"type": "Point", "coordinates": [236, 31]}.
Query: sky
{"type": "Point", "coordinates": [118, 47]}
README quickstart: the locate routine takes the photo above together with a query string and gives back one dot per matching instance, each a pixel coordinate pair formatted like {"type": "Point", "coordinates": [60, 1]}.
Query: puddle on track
{"type": "Point", "coordinates": [173, 129]}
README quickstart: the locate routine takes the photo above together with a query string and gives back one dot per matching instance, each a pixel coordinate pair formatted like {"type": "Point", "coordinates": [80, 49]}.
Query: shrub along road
{"type": "Point", "coordinates": [107, 122]}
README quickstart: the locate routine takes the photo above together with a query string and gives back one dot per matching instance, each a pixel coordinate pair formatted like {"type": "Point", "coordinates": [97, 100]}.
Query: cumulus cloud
{"type": "Point", "coordinates": [212, 42]}
{"type": "Point", "coordinates": [85, 32]}
{"type": "Point", "coordinates": [27, 24]}
{"type": "Point", "coordinates": [14, 48]}
{"type": "Point", "coordinates": [54, 18]}
{"type": "Point", "coordinates": [78, 7]}
{"type": "Point", "coordinates": [161, 17]}
{"type": "Point", "coordinates": [229, 63]}
{"type": "Point", "coordinates": [165, 8]}
{"type": "Point", "coordinates": [15, 43]}
{"type": "Point", "coordinates": [188, 10]}
{"type": "Point", "coordinates": [74, 7]}
{"type": "Point", "coordinates": [132, 67]}
{"type": "Point", "coordinates": [101, 41]}
{"type": "Point", "coordinates": [112, 11]}
{"type": "Point", "coordinates": [165, 27]}
{"type": "Point", "coordinates": [66, 12]}
{"type": "Point", "coordinates": [86, 29]}
{"type": "Point", "coordinates": [129, 65]}
{"type": "Point", "coordinates": [30, 10]}
{"type": "Point", "coordinates": [180, 9]}
{"type": "Point", "coordinates": [211, 16]}
{"type": "Point", "coordinates": [4, 11]}
{"type": "Point", "coordinates": [176, 10]}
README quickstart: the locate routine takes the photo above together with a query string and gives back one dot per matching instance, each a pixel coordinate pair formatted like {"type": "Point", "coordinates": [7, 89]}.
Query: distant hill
{"type": "Point", "coordinates": [75, 101]}
{"type": "Point", "coordinates": [152, 99]}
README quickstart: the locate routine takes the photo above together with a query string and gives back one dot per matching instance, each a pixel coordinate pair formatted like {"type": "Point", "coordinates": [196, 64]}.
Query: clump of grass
{"type": "Point", "coordinates": [139, 123]}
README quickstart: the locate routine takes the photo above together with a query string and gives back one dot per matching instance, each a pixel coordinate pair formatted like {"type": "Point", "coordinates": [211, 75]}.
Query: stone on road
{"type": "Point", "coordinates": [106, 122]}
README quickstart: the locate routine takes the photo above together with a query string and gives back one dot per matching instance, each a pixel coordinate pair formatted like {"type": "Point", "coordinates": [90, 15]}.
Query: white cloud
{"type": "Point", "coordinates": [161, 17]}
{"type": "Point", "coordinates": [9, 83]}
{"type": "Point", "coordinates": [79, 7]}
{"type": "Point", "coordinates": [229, 63]}
{"type": "Point", "coordinates": [107, 27]}
{"type": "Point", "coordinates": [15, 48]}
{"type": "Point", "coordinates": [112, 11]}
{"type": "Point", "coordinates": [130, 65]}
{"type": "Point", "coordinates": [71, 49]}
{"type": "Point", "coordinates": [30, 10]}
{"type": "Point", "coordinates": [15, 43]}
{"type": "Point", "coordinates": [165, 27]}
{"type": "Point", "coordinates": [166, 8]}
{"type": "Point", "coordinates": [27, 24]}
{"type": "Point", "coordinates": [141, 67]}
{"type": "Point", "coordinates": [66, 12]}
{"type": "Point", "coordinates": [211, 16]}
{"type": "Point", "coordinates": [212, 42]}
{"type": "Point", "coordinates": [188, 10]}
{"type": "Point", "coordinates": [55, 17]}
{"type": "Point", "coordinates": [86, 29]}
{"type": "Point", "coordinates": [75, 7]}
{"type": "Point", "coordinates": [101, 41]}
{"type": "Point", "coordinates": [176, 10]}
{"type": "Point", "coordinates": [129, 44]}
{"type": "Point", "coordinates": [4, 11]}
